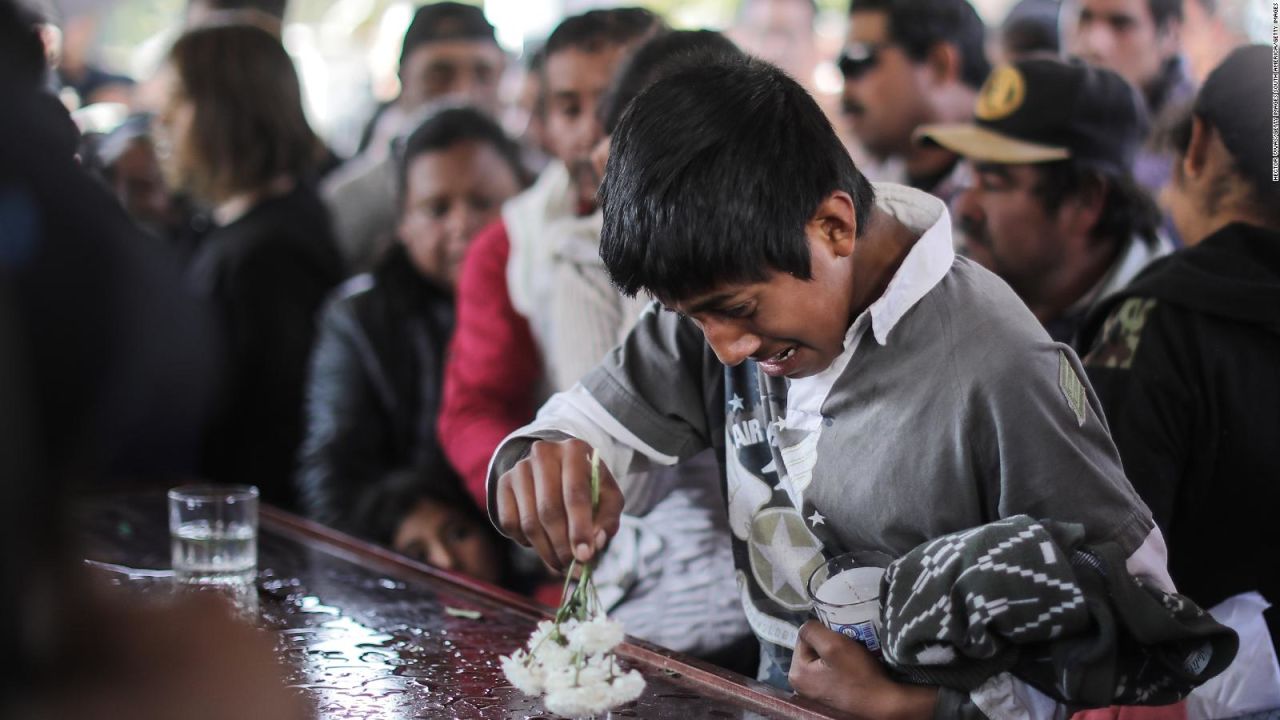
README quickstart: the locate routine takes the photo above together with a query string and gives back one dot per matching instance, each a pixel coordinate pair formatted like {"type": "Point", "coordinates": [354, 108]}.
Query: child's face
{"type": "Point", "coordinates": [793, 328]}
{"type": "Point", "coordinates": [443, 537]}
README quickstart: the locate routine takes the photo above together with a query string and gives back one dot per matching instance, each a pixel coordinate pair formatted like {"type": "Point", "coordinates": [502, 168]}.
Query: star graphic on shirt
{"type": "Point", "coordinates": [784, 561]}
{"type": "Point", "coordinates": [780, 424]}
{"type": "Point", "coordinates": [735, 403]}
{"type": "Point", "coordinates": [816, 519]}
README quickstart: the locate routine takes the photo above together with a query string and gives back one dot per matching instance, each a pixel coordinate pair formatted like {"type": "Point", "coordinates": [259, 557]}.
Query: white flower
{"type": "Point", "coordinates": [597, 686]}
{"type": "Point", "coordinates": [596, 636]}
{"type": "Point", "coordinates": [543, 634]}
{"type": "Point", "coordinates": [553, 655]}
{"type": "Point", "coordinates": [582, 701]}
{"type": "Point", "coordinates": [572, 676]}
{"type": "Point", "coordinates": [627, 687]}
{"type": "Point", "coordinates": [526, 676]}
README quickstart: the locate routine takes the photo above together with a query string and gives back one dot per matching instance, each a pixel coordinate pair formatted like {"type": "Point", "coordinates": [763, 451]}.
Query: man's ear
{"type": "Point", "coordinates": [944, 63]}
{"type": "Point", "coordinates": [1196, 157]}
{"type": "Point", "coordinates": [835, 223]}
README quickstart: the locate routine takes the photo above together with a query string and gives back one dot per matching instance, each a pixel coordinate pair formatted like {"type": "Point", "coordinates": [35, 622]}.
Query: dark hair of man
{"type": "Point", "coordinates": [451, 127]}
{"type": "Point", "coordinates": [692, 196]}
{"type": "Point", "coordinates": [272, 8]}
{"type": "Point", "coordinates": [1127, 210]}
{"type": "Point", "coordinates": [249, 127]}
{"type": "Point", "coordinates": [1162, 11]}
{"type": "Point", "coordinates": [659, 56]}
{"type": "Point", "coordinates": [596, 30]}
{"type": "Point", "coordinates": [445, 21]}
{"type": "Point", "coordinates": [918, 25]}
{"type": "Point", "coordinates": [21, 52]}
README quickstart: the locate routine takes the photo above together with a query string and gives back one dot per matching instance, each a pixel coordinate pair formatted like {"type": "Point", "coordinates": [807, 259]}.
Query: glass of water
{"type": "Point", "coordinates": [845, 593]}
{"type": "Point", "coordinates": [213, 538]}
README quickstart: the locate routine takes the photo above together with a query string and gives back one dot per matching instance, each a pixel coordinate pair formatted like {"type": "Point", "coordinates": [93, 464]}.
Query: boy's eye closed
{"type": "Point", "coordinates": [739, 311]}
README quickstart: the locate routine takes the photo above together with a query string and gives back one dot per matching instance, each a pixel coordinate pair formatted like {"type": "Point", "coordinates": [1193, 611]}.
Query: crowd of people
{"type": "Point", "coordinates": [1026, 268]}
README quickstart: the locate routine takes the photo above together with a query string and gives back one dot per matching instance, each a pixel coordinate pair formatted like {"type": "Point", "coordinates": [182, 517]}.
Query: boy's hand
{"type": "Point", "coordinates": [839, 672]}
{"type": "Point", "coordinates": [545, 501]}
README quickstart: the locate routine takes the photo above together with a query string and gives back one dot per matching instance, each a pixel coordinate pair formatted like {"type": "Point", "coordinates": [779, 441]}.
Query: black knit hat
{"type": "Point", "coordinates": [1044, 109]}
{"type": "Point", "coordinates": [443, 21]}
{"type": "Point", "coordinates": [1236, 99]}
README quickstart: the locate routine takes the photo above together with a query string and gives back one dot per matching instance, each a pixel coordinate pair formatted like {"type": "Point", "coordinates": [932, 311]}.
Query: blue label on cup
{"type": "Point", "coordinates": [863, 632]}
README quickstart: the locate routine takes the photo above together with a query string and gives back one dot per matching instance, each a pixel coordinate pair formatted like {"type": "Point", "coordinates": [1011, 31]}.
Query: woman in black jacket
{"type": "Point", "coordinates": [371, 464]}
{"type": "Point", "coordinates": [232, 134]}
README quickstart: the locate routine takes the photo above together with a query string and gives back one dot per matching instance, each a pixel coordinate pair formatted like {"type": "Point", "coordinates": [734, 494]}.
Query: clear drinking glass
{"type": "Point", "coordinates": [213, 539]}
{"type": "Point", "coordinates": [845, 593]}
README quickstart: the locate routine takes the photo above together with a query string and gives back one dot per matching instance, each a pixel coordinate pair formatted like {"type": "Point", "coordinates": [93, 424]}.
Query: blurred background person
{"type": "Point", "coordinates": [126, 159]}
{"type": "Point", "coordinates": [1030, 27]}
{"type": "Point", "coordinates": [1142, 41]}
{"type": "Point", "coordinates": [1053, 208]}
{"type": "Point", "coordinates": [449, 56]}
{"type": "Point", "coordinates": [267, 14]}
{"type": "Point", "coordinates": [1185, 361]}
{"type": "Point", "coordinates": [780, 31]}
{"type": "Point", "coordinates": [103, 364]}
{"type": "Point", "coordinates": [371, 464]}
{"type": "Point", "coordinates": [235, 138]}
{"type": "Point", "coordinates": [80, 72]}
{"type": "Point", "coordinates": [907, 63]}
{"type": "Point", "coordinates": [493, 382]}
{"type": "Point", "coordinates": [1211, 29]}
{"type": "Point", "coordinates": [526, 117]}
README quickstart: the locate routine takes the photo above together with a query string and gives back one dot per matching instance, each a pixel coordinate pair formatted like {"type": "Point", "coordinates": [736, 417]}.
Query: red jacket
{"type": "Point", "coordinates": [493, 365]}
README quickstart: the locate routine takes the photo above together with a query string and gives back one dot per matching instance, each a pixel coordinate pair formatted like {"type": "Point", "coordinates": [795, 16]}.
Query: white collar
{"type": "Point", "coordinates": [926, 263]}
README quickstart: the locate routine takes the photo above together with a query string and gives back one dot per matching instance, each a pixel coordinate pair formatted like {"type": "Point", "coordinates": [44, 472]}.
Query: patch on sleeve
{"type": "Point", "coordinates": [1118, 344]}
{"type": "Point", "coordinates": [1072, 388]}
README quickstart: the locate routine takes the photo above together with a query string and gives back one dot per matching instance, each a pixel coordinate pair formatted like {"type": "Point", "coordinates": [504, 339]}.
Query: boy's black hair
{"type": "Point", "coordinates": [659, 56]}
{"type": "Point", "coordinates": [713, 173]}
{"type": "Point", "coordinates": [595, 30]}
{"type": "Point", "coordinates": [917, 25]}
{"type": "Point", "coordinates": [452, 126]}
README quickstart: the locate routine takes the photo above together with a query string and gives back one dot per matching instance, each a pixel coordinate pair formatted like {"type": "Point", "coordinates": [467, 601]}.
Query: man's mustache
{"type": "Point", "coordinates": [975, 231]}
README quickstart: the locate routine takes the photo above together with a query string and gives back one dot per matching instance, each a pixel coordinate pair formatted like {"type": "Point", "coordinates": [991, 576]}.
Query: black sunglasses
{"type": "Point", "coordinates": [858, 58]}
